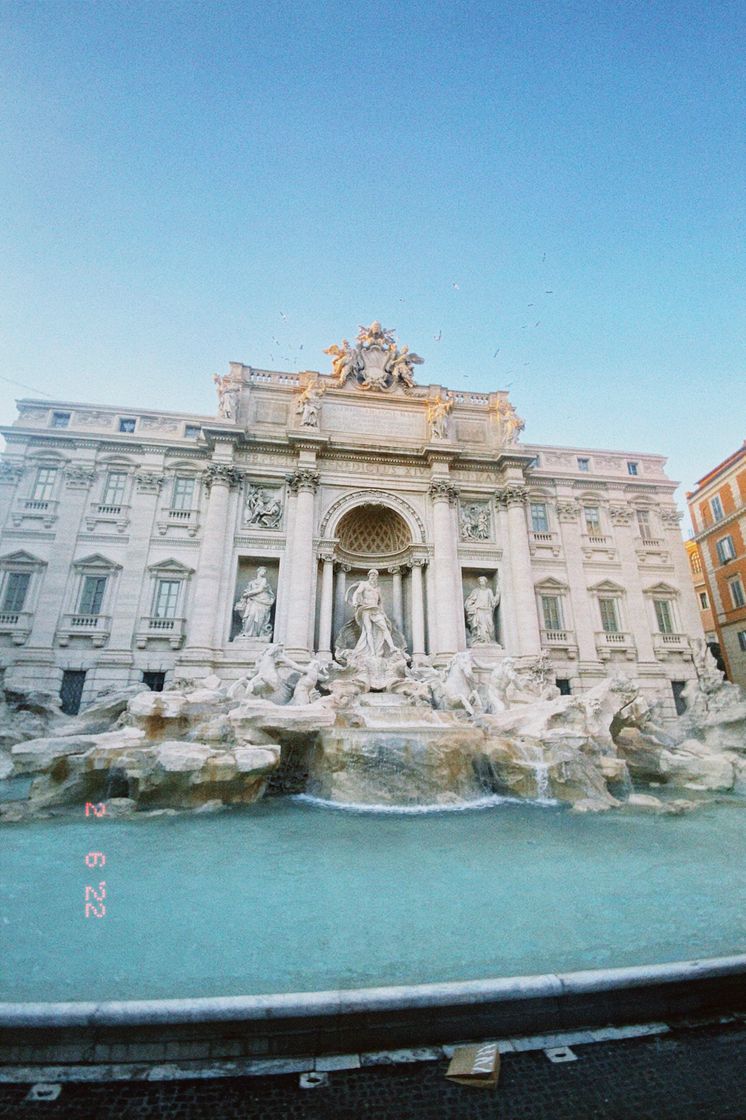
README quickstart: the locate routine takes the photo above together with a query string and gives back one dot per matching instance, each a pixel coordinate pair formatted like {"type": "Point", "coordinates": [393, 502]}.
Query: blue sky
{"type": "Point", "coordinates": [562, 183]}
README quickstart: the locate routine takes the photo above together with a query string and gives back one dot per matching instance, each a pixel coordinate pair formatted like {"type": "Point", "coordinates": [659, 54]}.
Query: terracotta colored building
{"type": "Point", "coordinates": [718, 511]}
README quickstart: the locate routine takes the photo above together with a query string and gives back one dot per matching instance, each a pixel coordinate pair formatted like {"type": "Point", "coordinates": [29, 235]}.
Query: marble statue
{"type": "Point", "coordinates": [456, 686]}
{"type": "Point", "coordinates": [305, 691]}
{"type": "Point", "coordinates": [261, 509]}
{"type": "Point", "coordinates": [480, 613]}
{"type": "Point", "coordinates": [376, 638]}
{"type": "Point", "coordinates": [437, 415]}
{"type": "Point", "coordinates": [511, 423]}
{"type": "Point", "coordinates": [345, 361]}
{"type": "Point", "coordinates": [255, 607]}
{"type": "Point", "coordinates": [401, 364]}
{"type": "Point", "coordinates": [475, 523]}
{"type": "Point", "coordinates": [229, 391]}
{"type": "Point", "coordinates": [272, 676]}
{"type": "Point", "coordinates": [309, 404]}
{"type": "Point", "coordinates": [375, 335]}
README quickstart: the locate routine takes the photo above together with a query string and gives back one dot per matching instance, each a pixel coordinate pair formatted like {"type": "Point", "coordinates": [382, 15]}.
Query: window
{"type": "Point", "coordinates": [44, 485]}
{"type": "Point", "coordinates": [166, 598]}
{"type": "Point", "coordinates": [643, 523]}
{"type": "Point", "coordinates": [60, 419]}
{"type": "Point", "coordinates": [114, 489]}
{"type": "Point", "coordinates": [695, 562]}
{"type": "Point", "coordinates": [72, 690]}
{"type": "Point", "coordinates": [551, 608]}
{"type": "Point", "coordinates": [609, 615]}
{"type": "Point", "coordinates": [127, 424]}
{"type": "Point", "coordinates": [703, 600]}
{"type": "Point", "coordinates": [663, 616]}
{"type": "Point", "coordinates": [584, 464]}
{"type": "Point", "coordinates": [632, 467]}
{"type": "Point", "coordinates": [92, 595]}
{"type": "Point", "coordinates": [539, 519]}
{"type": "Point", "coordinates": [191, 431]}
{"type": "Point", "coordinates": [183, 494]}
{"type": "Point", "coordinates": [154, 681]}
{"type": "Point", "coordinates": [592, 520]}
{"type": "Point", "coordinates": [742, 639]}
{"type": "Point", "coordinates": [717, 508]}
{"type": "Point", "coordinates": [725, 549]}
{"type": "Point", "coordinates": [736, 592]}
{"type": "Point", "coordinates": [16, 589]}
{"type": "Point", "coordinates": [563, 684]}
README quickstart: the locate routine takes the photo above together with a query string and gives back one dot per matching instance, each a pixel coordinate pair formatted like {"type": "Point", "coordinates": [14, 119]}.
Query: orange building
{"type": "Point", "coordinates": [718, 548]}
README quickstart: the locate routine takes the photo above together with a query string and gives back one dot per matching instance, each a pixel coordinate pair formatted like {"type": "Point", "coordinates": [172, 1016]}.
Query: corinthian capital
{"type": "Point", "coordinates": [223, 473]}
{"type": "Point", "coordinates": [303, 479]}
{"type": "Point", "coordinates": [441, 490]}
{"type": "Point", "coordinates": [568, 511]}
{"type": "Point", "coordinates": [514, 494]}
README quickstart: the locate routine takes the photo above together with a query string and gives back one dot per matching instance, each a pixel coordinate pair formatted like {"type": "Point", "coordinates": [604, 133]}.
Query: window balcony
{"type": "Point", "coordinates": [179, 518]}
{"type": "Point", "coordinates": [96, 627]}
{"type": "Point", "coordinates": [151, 629]}
{"type": "Point", "coordinates": [597, 545]}
{"type": "Point", "coordinates": [560, 640]}
{"type": "Point", "coordinates": [543, 542]}
{"type": "Point", "coordinates": [17, 624]}
{"type": "Point", "coordinates": [610, 641]}
{"type": "Point", "coordinates": [35, 509]}
{"type": "Point", "coordinates": [666, 644]}
{"type": "Point", "coordinates": [102, 514]}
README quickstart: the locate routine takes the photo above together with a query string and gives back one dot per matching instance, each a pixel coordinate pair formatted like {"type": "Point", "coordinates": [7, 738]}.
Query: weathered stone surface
{"type": "Point", "coordinates": [645, 801]}
{"type": "Point", "coordinates": [696, 766]}
{"type": "Point", "coordinates": [120, 807]}
{"type": "Point", "coordinates": [592, 805]}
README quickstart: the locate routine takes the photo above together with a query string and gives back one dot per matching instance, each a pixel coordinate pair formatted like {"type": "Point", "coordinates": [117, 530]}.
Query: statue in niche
{"type": "Point", "coordinates": [261, 509]}
{"type": "Point", "coordinates": [475, 523]}
{"type": "Point", "coordinates": [229, 391]}
{"type": "Point", "coordinates": [510, 422]}
{"type": "Point", "coordinates": [376, 638]}
{"type": "Point", "coordinates": [437, 415]}
{"type": "Point", "coordinates": [480, 613]}
{"type": "Point", "coordinates": [309, 404]}
{"type": "Point", "coordinates": [255, 607]}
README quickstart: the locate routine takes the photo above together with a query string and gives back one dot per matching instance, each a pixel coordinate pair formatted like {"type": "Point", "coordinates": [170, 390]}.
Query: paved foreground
{"type": "Point", "coordinates": [690, 1072]}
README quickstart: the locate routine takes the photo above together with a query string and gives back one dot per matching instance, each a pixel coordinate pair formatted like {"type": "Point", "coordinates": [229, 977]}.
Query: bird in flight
{"type": "Point", "coordinates": [496, 352]}
{"type": "Point", "coordinates": [455, 285]}
{"type": "Point", "coordinates": [438, 336]}
{"type": "Point", "coordinates": [283, 315]}
{"type": "Point", "coordinates": [549, 293]}
{"type": "Point", "coordinates": [543, 258]}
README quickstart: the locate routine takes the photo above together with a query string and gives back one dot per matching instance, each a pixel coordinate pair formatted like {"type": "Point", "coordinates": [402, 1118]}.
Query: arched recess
{"type": "Point", "coordinates": [342, 506]}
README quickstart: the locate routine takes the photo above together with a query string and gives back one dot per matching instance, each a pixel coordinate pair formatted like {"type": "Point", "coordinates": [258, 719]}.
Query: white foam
{"type": "Point", "coordinates": [489, 802]}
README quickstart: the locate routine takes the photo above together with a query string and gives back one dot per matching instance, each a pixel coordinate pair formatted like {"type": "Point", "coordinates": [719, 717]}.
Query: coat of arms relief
{"type": "Point", "coordinates": [375, 362]}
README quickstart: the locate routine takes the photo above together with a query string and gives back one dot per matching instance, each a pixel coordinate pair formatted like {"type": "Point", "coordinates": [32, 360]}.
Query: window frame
{"type": "Point", "coordinates": [738, 599]}
{"type": "Point", "coordinates": [542, 517]}
{"type": "Point", "coordinates": [545, 598]}
{"type": "Point", "coordinates": [606, 599]}
{"type": "Point", "coordinates": [124, 422]}
{"type": "Point", "coordinates": [121, 475]}
{"type": "Point", "coordinates": [584, 464]}
{"type": "Point", "coordinates": [44, 491]}
{"type": "Point", "coordinates": [176, 502]}
{"type": "Point", "coordinates": [596, 529]}
{"type": "Point", "coordinates": [719, 513]}
{"type": "Point", "coordinates": [162, 581]}
{"type": "Point", "coordinates": [60, 420]}
{"type": "Point", "coordinates": [633, 467]}
{"type": "Point", "coordinates": [721, 551]}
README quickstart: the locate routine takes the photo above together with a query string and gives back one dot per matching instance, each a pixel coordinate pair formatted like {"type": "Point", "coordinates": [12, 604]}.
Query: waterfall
{"type": "Point", "coordinates": [543, 788]}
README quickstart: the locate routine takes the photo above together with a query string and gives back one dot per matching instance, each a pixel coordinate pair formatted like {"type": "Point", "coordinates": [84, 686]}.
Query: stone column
{"type": "Point", "coordinates": [220, 478]}
{"type": "Point", "coordinates": [304, 482]}
{"type": "Point", "coordinates": [340, 590]}
{"type": "Point", "coordinates": [690, 617]}
{"type": "Point", "coordinates": [514, 496]}
{"type": "Point", "coordinates": [325, 608]}
{"type": "Point", "coordinates": [446, 577]}
{"type": "Point", "coordinates": [397, 599]}
{"type": "Point", "coordinates": [283, 589]}
{"type": "Point", "coordinates": [568, 515]}
{"type": "Point", "coordinates": [418, 610]}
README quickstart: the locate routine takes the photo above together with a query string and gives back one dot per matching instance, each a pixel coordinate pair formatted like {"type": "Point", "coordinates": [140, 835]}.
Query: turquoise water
{"type": "Point", "coordinates": [290, 896]}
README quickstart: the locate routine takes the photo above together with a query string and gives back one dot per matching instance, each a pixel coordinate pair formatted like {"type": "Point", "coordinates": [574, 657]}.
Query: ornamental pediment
{"type": "Point", "coordinates": [376, 362]}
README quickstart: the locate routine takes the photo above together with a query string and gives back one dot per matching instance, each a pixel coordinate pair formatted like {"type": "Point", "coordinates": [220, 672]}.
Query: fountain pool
{"type": "Point", "coordinates": [291, 896]}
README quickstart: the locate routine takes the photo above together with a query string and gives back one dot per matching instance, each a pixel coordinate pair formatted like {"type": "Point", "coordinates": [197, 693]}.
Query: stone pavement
{"type": "Point", "coordinates": [690, 1072]}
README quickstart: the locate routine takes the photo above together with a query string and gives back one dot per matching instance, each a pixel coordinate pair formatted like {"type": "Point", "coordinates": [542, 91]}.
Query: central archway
{"type": "Point", "coordinates": [372, 532]}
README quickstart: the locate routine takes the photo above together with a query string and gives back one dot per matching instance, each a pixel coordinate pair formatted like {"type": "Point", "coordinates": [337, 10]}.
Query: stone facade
{"type": "Point", "coordinates": [161, 546]}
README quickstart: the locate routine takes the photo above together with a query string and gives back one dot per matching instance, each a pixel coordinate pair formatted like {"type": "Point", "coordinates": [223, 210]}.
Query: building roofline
{"type": "Point", "coordinates": [726, 463]}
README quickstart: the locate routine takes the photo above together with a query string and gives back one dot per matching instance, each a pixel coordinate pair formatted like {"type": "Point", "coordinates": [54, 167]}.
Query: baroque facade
{"type": "Point", "coordinates": [158, 546]}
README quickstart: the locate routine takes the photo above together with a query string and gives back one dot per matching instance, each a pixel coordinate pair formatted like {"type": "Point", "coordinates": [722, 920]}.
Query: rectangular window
{"type": "Point", "coordinates": [44, 485]}
{"type": "Point", "coordinates": [632, 468]}
{"type": "Point", "coordinates": [717, 508]}
{"type": "Point", "coordinates": [592, 520]}
{"type": "Point", "coordinates": [114, 489]}
{"type": "Point", "coordinates": [725, 549]}
{"type": "Point", "coordinates": [60, 419]}
{"type": "Point", "coordinates": [166, 598]}
{"type": "Point", "coordinates": [584, 464]}
{"type": "Point", "coordinates": [92, 595]}
{"type": "Point", "coordinates": [191, 431]}
{"type": "Point", "coordinates": [71, 690]}
{"type": "Point", "coordinates": [742, 639]}
{"type": "Point", "coordinates": [736, 592]}
{"type": "Point", "coordinates": [539, 519]}
{"type": "Point", "coordinates": [609, 616]}
{"type": "Point", "coordinates": [552, 611]}
{"type": "Point", "coordinates": [643, 524]}
{"type": "Point", "coordinates": [663, 616]}
{"type": "Point", "coordinates": [16, 588]}
{"type": "Point", "coordinates": [183, 495]}
{"type": "Point", "coordinates": [703, 600]}
{"type": "Point", "coordinates": [154, 681]}
{"type": "Point", "coordinates": [127, 424]}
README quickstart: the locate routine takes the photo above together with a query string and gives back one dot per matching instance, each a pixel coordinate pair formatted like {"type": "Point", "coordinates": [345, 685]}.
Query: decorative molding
{"type": "Point", "coordinates": [303, 479]}
{"type": "Point", "coordinates": [373, 497]}
{"type": "Point", "coordinates": [568, 511]}
{"type": "Point", "coordinates": [621, 515]}
{"type": "Point", "coordinates": [148, 482]}
{"type": "Point", "coordinates": [11, 473]}
{"type": "Point", "coordinates": [514, 494]}
{"type": "Point", "coordinates": [671, 518]}
{"type": "Point", "coordinates": [443, 490]}
{"type": "Point", "coordinates": [224, 473]}
{"type": "Point", "coordinates": [79, 477]}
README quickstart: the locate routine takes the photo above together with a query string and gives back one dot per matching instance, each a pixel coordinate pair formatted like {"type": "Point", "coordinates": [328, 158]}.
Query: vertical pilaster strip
{"type": "Point", "coordinates": [418, 610]}
{"type": "Point", "coordinates": [445, 571]}
{"type": "Point", "coordinates": [305, 483]}
{"type": "Point", "coordinates": [568, 516]}
{"type": "Point", "coordinates": [220, 478]}
{"type": "Point", "coordinates": [514, 496]}
{"type": "Point", "coordinates": [397, 598]}
{"type": "Point", "coordinates": [327, 603]}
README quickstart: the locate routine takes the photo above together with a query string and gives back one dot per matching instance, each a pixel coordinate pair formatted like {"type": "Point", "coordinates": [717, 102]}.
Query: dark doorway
{"type": "Point", "coordinates": [678, 697]}
{"type": "Point", "coordinates": [563, 684]}
{"type": "Point", "coordinates": [154, 681]}
{"type": "Point", "coordinates": [71, 690]}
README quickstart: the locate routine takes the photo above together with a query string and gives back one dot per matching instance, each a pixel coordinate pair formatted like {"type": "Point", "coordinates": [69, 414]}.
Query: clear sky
{"type": "Point", "coordinates": [545, 196]}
